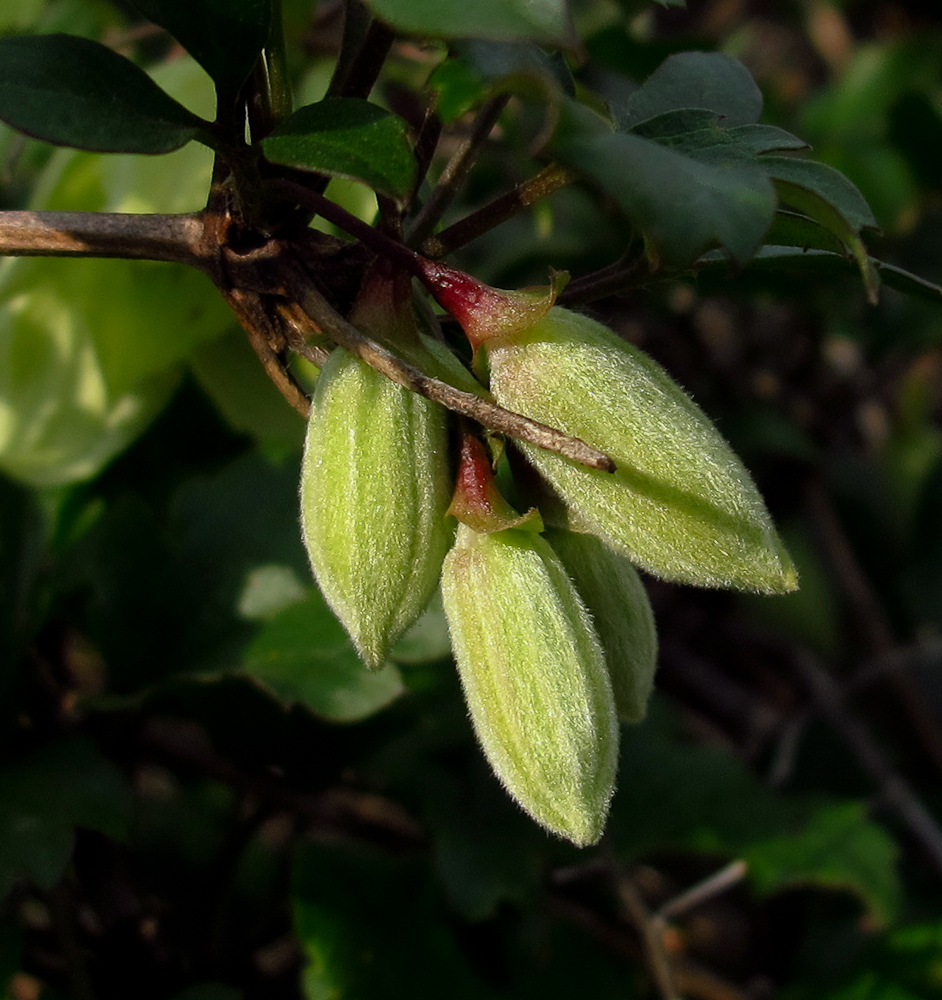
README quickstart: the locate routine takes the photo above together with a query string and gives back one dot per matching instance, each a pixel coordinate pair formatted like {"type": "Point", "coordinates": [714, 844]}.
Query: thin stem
{"type": "Point", "coordinates": [872, 623]}
{"type": "Point", "coordinates": [298, 326]}
{"type": "Point", "coordinates": [486, 413]}
{"type": "Point", "coordinates": [607, 281]}
{"type": "Point", "coordinates": [651, 932]}
{"type": "Point", "coordinates": [372, 238]}
{"type": "Point", "coordinates": [250, 311]}
{"type": "Point", "coordinates": [893, 788]}
{"type": "Point", "coordinates": [457, 168]}
{"type": "Point", "coordinates": [543, 184]}
{"type": "Point", "coordinates": [719, 882]}
{"type": "Point", "coordinates": [426, 141]}
{"type": "Point", "coordinates": [366, 44]}
{"type": "Point", "coordinates": [175, 238]}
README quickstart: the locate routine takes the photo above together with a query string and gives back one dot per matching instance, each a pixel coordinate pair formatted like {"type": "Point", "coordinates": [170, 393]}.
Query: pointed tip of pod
{"type": "Point", "coordinates": [584, 829]}
{"type": "Point", "coordinates": [534, 677]}
{"type": "Point", "coordinates": [783, 577]}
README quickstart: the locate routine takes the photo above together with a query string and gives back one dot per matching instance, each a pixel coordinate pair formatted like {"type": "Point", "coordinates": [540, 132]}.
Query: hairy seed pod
{"type": "Point", "coordinates": [375, 486]}
{"type": "Point", "coordinates": [680, 504]}
{"type": "Point", "coordinates": [621, 612]}
{"type": "Point", "coordinates": [534, 678]}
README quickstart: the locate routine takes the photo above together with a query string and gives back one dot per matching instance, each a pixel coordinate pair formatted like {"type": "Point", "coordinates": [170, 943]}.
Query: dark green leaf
{"type": "Point", "coordinates": [838, 848]}
{"type": "Point", "coordinates": [789, 229]}
{"type": "Point", "coordinates": [709, 802]}
{"type": "Point", "coordinates": [223, 36]}
{"type": "Point", "coordinates": [707, 80]}
{"type": "Point", "coordinates": [681, 204]}
{"type": "Point", "coordinates": [43, 796]}
{"type": "Point", "coordinates": [496, 60]}
{"type": "Point", "coordinates": [910, 284]}
{"type": "Point", "coordinates": [475, 67]}
{"type": "Point", "coordinates": [74, 92]}
{"type": "Point", "coordinates": [829, 198]}
{"type": "Point", "coordinates": [545, 21]}
{"type": "Point", "coordinates": [703, 135]}
{"type": "Point", "coordinates": [372, 925]}
{"type": "Point", "coordinates": [31, 849]}
{"type": "Point", "coordinates": [347, 137]}
{"type": "Point", "coordinates": [303, 654]}
{"type": "Point", "coordinates": [820, 190]}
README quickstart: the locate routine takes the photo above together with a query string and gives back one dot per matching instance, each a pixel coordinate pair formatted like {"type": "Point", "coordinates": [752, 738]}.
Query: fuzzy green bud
{"type": "Point", "coordinates": [621, 612]}
{"type": "Point", "coordinates": [534, 678]}
{"type": "Point", "coordinates": [680, 503]}
{"type": "Point", "coordinates": [375, 486]}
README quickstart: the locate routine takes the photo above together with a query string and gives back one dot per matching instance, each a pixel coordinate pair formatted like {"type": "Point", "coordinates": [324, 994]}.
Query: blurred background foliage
{"type": "Point", "coordinates": [203, 795]}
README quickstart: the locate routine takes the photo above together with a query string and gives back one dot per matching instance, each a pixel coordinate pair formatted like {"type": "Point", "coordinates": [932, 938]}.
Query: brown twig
{"type": "Point", "coordinates": [871, 621]}
{"type": "Point", "coordinates": [651, 932]}
{"type": "Point", "coordinates": [543, 184]}
{"type": "Point", "coordinates": [426, 142]}
{"type": "Point", "coordinates": [372, 238]}
{"type": "Point", "coordinates": [457, 168]}
{"type": "Point", "coordinates": [174, 238]}
{"type": "Point", "coordinates": [357, 77]}
{"type": "Point", "coordinates": [893, 788]}
{"type": "Point", "coordinates": [298, 327]}
{"type": "Point", "coordinates": [251, 313]}
{"type": "Point", "coordinates": [606, 281]}
{"type": "Point", "coordinates": [486, 413]}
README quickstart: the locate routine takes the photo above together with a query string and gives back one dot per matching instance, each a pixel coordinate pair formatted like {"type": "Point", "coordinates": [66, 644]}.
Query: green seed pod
{"type": "Point", "coordinates": [680, 504]}
{"type": "Point", "coordinates": [534, 678]}
{"type": "Point", "coordinates": [618, 602]}
{"type": "Point", "coordinates": [375, 486]}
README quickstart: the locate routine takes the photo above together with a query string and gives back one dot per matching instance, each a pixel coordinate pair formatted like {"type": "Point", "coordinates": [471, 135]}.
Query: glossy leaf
{"type": "Point", "coordinates": [829, 198]}
{"type": "Point", "coordinates": [703, 134]}
{"type": "Point", "coordinates": [304, 655]}
{"type": "Point", "coordinates": [707, 80]}
{"type": "Point", "coordinates": [72, 393]}
{"type": "Point", "coordinates": [681, 202]}
{"type": "Point", "coordinates": [75, 92]}
{"type": "Point", "coordinates": [790, 229]}
{"type": "Point", "coordinates": [347, 137]}
{"type": "Point", "coordinates": [544, 21]}
{"type": "Point", "coordinates": [223, 36]}
{"type": "Point", "coordinates": [820, 190]}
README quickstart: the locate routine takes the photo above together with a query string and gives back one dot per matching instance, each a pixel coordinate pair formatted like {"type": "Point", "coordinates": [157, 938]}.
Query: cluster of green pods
{"type": "Point", "coordinates": [550, 623]}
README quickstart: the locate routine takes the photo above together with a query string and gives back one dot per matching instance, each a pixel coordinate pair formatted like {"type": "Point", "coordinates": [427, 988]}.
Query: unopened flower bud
{"type": "Point", "coordinates": [621, 612]}
{"type": "Point", "coordinates": [680, 503]}
{"type": "Point", "coordinates": [375, 487]}
{"type": "Point", "coordinates": [534, 678]}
